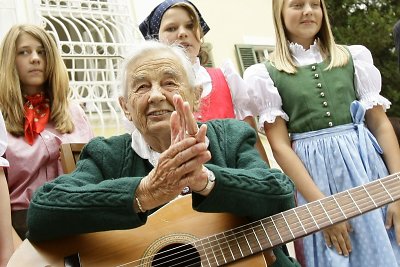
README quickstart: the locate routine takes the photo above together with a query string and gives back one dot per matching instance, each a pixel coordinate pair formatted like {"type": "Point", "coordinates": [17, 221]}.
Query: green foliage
{"type": "Point", "coordinates": [370, 23]}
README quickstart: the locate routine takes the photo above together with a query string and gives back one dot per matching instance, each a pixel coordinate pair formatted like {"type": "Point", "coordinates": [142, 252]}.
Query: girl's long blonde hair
{"type": "Point", "coordinates": [57, 84]}
{"type": "Point", "coordinates": [281, 57]}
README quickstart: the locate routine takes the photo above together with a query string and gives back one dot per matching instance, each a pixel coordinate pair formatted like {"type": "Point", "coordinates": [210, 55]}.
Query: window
{"type": "Point", "coordinates": [248, 55]}
{"type": "Point", "coordinates": [92, 36]}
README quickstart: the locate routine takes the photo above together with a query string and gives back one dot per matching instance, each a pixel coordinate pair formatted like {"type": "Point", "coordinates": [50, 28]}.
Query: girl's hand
{"type": "Point", "coordinates": [393, 218]}
{"type": "Point", "coordinates": [338, 236]}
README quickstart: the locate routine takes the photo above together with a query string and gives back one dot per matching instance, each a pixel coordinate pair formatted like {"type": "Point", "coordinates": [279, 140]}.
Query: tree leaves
{"type": "Point", "coordinates": [370, 23]}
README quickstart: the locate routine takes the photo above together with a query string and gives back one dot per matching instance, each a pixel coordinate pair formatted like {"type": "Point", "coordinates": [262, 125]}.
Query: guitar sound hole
{"type": "Point", "coordinates": [177, 255]}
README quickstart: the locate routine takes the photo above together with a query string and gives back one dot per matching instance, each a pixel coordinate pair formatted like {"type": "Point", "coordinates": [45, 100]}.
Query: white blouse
{"type": "Point", "coordinates": [237, 86]}
{"type": "Point", "coordinates": [140, 146]}
{"type": "Point", "coordinates": [268, 103]}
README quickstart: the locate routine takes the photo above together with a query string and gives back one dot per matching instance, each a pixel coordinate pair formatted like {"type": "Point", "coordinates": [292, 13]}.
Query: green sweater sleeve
{"type": "Point", "coordinates": [78, 202]}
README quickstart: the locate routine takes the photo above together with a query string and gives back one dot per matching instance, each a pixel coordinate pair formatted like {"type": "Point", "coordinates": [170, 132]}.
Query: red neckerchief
{"type": "Point", "coordinates": [37, 114]}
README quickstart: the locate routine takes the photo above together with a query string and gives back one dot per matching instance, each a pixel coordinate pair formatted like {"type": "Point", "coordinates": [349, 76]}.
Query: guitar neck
{"type": "Point", "coordinates": [304, 220]}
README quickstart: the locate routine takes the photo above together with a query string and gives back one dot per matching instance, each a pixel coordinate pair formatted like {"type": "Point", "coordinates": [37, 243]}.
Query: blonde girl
{"type": "Point", "coordinates": [34, 90]}
{"type": "Point", "coordinates": [320, 106]}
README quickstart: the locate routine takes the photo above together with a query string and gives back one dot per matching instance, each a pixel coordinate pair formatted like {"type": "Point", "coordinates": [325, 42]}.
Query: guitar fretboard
{"type": "Point", "coordinates": [284, 227]}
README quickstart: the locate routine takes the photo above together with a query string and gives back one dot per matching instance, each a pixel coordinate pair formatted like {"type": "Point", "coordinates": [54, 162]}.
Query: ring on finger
{"type": "Point", "coordinates": [191, 135]}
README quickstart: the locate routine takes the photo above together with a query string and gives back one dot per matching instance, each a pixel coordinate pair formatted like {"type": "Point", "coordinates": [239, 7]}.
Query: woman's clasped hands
{"type": "Point", "coordinates": [181, 165]}
{"type": "Point", "coordinates": [185, 129]}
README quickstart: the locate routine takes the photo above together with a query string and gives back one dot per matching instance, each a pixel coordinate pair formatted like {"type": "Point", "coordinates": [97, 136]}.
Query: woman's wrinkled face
{"type": "Point", "coordinates": [152, 80]}
{"type": "Point", "coordinates": [177, 27]}
{"type": "Point", "coordinates": [302, 20]}
{"type": "Point", "coordinates": [30, 62]}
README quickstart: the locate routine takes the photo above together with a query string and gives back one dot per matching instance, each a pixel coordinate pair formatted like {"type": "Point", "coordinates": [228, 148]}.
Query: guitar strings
{"type": "Point", "coordinates": [375, 188]}
{"type": "Point", "coordinates": [228, 244]}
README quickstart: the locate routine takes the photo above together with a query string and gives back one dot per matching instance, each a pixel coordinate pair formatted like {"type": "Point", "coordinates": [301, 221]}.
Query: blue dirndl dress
{"type": "Point", "coordinates": [338, 159]}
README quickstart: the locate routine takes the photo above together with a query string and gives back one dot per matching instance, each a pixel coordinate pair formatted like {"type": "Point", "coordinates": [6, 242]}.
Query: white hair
{"type": "Point", "coordinates": [154, 45]}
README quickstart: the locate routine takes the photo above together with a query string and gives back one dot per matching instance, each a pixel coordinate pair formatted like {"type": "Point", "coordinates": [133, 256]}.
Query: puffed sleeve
{"type": "Point", "coordinates": [3, 143]}
{"type": "Point", "coordinates": [238, 88]}
{"type": "Point", "coordinates": [367, 78]}
{"type": "Point", "coordinates": [264, 95]}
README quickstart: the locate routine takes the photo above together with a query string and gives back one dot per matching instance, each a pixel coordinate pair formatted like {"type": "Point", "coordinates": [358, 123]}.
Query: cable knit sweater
{"type": "Point", "coordinates": [109, 171]}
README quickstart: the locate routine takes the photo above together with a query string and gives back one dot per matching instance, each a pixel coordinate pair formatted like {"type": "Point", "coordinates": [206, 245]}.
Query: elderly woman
{"type": "Point", "coordinates": [126, 178]}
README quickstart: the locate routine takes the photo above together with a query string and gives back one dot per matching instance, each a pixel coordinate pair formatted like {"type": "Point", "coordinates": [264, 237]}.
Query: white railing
{"type": "Point", "coordinates": [92, 36]}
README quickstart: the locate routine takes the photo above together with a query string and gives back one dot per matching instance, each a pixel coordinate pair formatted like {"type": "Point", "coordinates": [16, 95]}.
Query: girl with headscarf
{"type": "Point", "coordinates": [224, 91]}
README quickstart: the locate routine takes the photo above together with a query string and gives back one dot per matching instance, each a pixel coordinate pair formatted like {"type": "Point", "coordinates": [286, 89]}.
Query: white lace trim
{"type": "Point", "coordinates": [375, 99]}
{"type": "Point", "coordinates": [270, 116]}
{"type": "Point", "coordinates": [304, 56]}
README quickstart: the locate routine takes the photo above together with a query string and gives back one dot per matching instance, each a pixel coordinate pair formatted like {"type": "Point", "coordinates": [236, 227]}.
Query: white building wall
{"type": "Point", "coordinates": [231, 22]}
{"type": "Point", "coordinates": [236, 22]}
{"type": "Point", "coordinates": [17, 11]}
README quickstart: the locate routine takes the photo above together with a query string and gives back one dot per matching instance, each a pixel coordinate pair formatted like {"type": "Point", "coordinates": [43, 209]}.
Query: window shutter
{"type": "Point", "coordinates": [246, 56]}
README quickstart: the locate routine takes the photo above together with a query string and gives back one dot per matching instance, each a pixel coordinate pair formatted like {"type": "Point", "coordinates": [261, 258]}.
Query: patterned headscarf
{"type": "Point", "coordinates": [151, 25]}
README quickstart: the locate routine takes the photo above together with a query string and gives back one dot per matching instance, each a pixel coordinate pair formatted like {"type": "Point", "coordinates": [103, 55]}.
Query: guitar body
{"type": "Point", "coordinates": [176, 235]}
{"type": "Point", "coordinates": [173, 225]}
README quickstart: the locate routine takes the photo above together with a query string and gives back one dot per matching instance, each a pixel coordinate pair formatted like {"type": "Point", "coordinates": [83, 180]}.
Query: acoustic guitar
{"type": "Point", "coordinates": [176, 235]}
